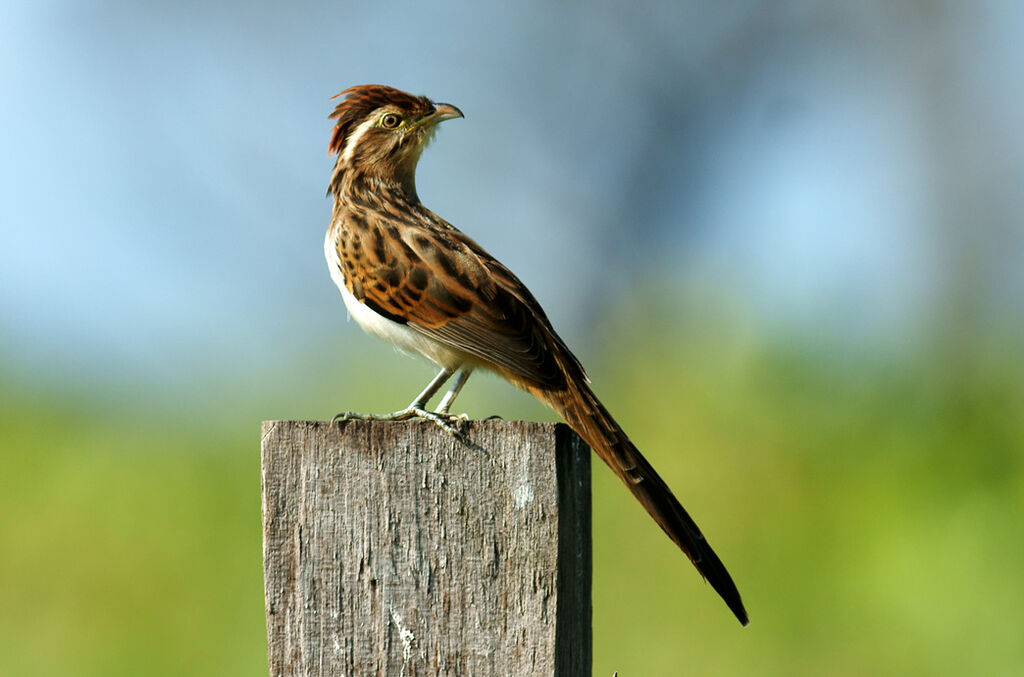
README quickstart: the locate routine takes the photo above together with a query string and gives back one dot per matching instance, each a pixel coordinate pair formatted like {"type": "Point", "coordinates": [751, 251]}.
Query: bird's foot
{"type": "Point", "coordinates": [454, 417]}
{"type": "Point", "coordinates": [443, 420]}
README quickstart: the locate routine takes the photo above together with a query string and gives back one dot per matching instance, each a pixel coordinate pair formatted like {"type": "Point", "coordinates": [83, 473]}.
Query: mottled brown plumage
{"type": "Point", "coordinates": [412, 278]}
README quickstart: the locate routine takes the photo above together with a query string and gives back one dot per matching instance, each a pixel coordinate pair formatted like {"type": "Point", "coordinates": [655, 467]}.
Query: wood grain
{"type": "Point", "coordinates": [395, 549]}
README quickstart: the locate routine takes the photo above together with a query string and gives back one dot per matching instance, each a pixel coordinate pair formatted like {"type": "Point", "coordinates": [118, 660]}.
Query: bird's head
{"type": "Point", "coordinates": [381, 131]}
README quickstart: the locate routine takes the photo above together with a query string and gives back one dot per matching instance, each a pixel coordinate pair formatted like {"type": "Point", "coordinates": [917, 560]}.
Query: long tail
{"type": "Point", "coordinates": [581, 409]}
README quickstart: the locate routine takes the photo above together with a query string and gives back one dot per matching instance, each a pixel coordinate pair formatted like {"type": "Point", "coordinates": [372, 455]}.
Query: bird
{"type": "Point", "coordinates": [411, 278]}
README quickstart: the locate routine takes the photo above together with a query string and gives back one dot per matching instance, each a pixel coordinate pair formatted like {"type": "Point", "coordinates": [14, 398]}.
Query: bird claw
{"type": "Point", "coordinates": [443, 420]}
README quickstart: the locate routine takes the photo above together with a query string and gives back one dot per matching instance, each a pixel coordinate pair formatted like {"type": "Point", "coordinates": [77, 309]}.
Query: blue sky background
{"type": "Point", "coordinates": [845, 170]}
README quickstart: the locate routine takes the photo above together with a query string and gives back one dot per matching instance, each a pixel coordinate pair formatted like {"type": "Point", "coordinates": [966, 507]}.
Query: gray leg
{"type": "Point", "coordinates": [432, 387]}
{"type": "Point", "coordinates": [449, 397]}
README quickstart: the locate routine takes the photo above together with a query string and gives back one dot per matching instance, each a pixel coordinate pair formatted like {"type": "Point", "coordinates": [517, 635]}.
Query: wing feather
{"type": "Point", "coordinates": [439, 282]}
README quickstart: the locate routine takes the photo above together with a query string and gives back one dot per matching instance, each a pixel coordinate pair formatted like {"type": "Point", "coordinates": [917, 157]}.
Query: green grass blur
{"type": "Point", "coordinates": [869, 506]}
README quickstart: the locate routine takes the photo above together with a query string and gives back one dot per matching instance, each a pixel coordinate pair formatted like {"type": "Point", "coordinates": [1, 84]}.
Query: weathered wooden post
{"type": "Point", "coordinates": [395, 549]}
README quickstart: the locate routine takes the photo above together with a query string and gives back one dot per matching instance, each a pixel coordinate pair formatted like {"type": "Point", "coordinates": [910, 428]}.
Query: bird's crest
{"type": "Point", "coordinates": [363, 99]}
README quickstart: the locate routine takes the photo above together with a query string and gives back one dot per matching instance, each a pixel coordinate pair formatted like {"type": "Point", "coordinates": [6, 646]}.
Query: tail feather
{"type": "Point", "coordinates": [581, 409]}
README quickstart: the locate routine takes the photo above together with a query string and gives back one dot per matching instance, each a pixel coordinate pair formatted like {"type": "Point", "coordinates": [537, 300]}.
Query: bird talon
{"type": "Point", "coordinates": [443, 420]}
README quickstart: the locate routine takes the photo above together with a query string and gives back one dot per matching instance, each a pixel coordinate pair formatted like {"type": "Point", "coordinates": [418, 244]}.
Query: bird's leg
{"type": "Point", "coordinates": [453, 392]}
{"type": "Point", "coordinates": [416, 409]}
{"type": "Point", "coordinates": [435, 384]}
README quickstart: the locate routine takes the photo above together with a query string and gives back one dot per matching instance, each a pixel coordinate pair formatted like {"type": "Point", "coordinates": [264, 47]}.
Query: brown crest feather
{"type": "Point", "coordinates": [362, 100]}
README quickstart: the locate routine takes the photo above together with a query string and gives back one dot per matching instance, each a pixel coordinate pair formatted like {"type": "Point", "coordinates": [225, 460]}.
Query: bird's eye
{"type": "Point", "coordinates": [390, 121]}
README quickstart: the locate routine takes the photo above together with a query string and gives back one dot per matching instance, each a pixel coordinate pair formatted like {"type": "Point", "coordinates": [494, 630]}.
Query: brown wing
{"type": "Point", "coordinates": [439, 282]}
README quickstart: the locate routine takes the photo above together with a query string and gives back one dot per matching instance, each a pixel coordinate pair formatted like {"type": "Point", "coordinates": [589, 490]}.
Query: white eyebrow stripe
{"type": "Point", "coordinates": [355, 137]}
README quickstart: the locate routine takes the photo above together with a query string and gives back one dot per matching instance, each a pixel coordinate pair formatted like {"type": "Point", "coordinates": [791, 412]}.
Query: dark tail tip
{"type": "Point", "coordinates": [740, 612]}
{"type": "Point", "coordinates": [726, 589]}
{"type": "Point", "coordinates": [715, 573]}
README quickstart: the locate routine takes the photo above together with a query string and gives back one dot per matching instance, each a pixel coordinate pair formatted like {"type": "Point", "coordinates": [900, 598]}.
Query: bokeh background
{"type": "Point", "coordinates": [786, 239]}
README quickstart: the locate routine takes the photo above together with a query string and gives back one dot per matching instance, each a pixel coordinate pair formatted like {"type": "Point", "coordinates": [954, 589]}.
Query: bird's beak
{"type": "Point", "coordinates": [442, 112]}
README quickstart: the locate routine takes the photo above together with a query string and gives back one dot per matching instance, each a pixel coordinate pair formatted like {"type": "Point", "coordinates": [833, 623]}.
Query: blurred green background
{"type": "Point", "coordinates": [786, 241]}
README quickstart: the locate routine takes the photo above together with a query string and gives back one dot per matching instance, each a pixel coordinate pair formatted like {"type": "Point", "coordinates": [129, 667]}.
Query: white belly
{"type": "Point", "coordinates": [400, 335]}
